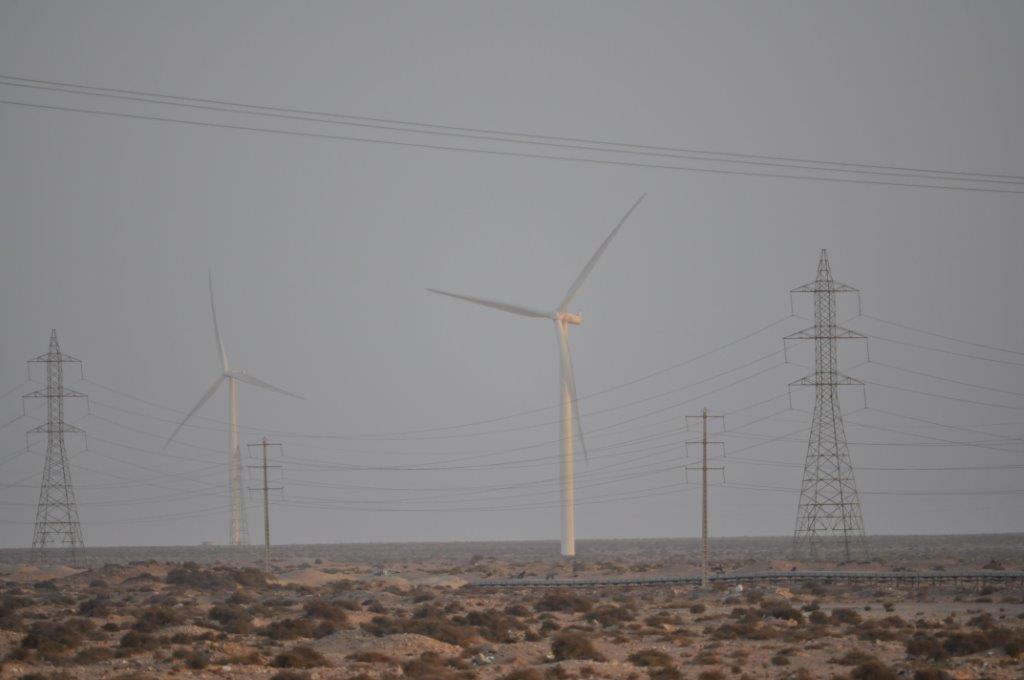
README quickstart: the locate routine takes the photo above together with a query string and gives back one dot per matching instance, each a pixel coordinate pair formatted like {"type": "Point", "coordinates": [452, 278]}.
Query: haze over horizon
{"type": "Point", "coordinates": [425, 419]}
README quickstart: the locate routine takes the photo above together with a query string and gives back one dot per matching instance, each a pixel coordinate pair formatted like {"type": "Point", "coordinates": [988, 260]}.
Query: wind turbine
{"type": "Point", "coordinates": [567, 380]}
{"type": "Point", "coordinates": [233, 376]}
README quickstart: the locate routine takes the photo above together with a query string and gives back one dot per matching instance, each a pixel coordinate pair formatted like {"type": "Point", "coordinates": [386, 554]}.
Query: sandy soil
{"type": "Point", "coordinates": [391, 612]}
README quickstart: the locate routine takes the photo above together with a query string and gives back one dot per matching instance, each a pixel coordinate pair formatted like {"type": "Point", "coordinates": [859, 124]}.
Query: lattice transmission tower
{"type": "Point", "coordinates": [829, 510]}
{"type": "Point", "coordinates": [57, 513]}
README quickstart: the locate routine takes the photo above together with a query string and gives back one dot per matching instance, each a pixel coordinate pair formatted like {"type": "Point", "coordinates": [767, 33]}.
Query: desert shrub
{"type": "Point", "coordinates": [91, 655]}
{"type": "Point", "coordinates": [291, 675]}
{"type": "Point", "coordinates": [232, 619]}
{"type": "Point", "coordinates": [52, 639]}
{"type": "Point", "coordinates": [610, 615]}
{"type": "Point", "coordinates": [299, 656]}
{"type": "Point", "coordinates": [197, 659]}
{"type": "Point", "coordinates": [713, 674]}
{"type": "Point", "coordinates": [136, 641]}
{"type": "Point", "coordinates": [523, 674]}
{"type": "Point", "coordinates": [855, 657]}
{"type": "Point", "coordinates": [781, 610]}
{"type": "Point", "coordinates": [517, 610]}
{"type": "Point", "coordinates": [289, 629]}
{"type": "Point", "coordinates": [328, 611]}
{"type": "Point", "coordinates": [567, 645]}
{"type": "Point", "coordinates": [744, 630]}
{"type": "Point", "coordinates": [818, 618]}
{"type": "Point", "coordinates": [96, 607]}
{"type": "Point", "coordinates": [662, 619]}
{"type": "Point", "coordinates": [563, 601]}
{"type": "Point", "coordinates": [155, 618]}
{"type": "Point", "coordinates": [370, 657]}
{"type": "Point", "coordinates": [873, 670]}
{"type": "Point", "coordinates": [927, 646]}
{"type": "Point", "coordinates": [436, 627]}
{"type": "Point", "coordinates": [780, 660]}
{"type": "Point", "coordinates": [239, 597]}
{"type": "Point", "coordinates": [665, 673]}
{"type": "Point", "coordinates": [932, 674]}
{"type": "Point", "coordinates": [849, 616]}
{"type": "Point", "coordinates": [698, 608]}
{"type": "Point", "coordinates": [650, 658]}
{"type": "Point", "coordinates": [706, 657]}
{"type": "Point", "coordinates": [492, 625]}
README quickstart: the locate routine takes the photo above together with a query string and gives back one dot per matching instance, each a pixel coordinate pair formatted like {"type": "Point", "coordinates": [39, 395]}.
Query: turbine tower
{"type": "Point", "coordinates": [233, 376]}
{"type": "Point", "coordinates": [829, 508]}
{"type": "Point", "coordinates": [570, 424]}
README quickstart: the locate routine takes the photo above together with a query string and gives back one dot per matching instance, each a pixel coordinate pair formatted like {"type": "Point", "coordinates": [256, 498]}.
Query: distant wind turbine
{"type": "Point", "coordinates": [233, 376]}
{"type": "Point", "coordinates": [570, 405]}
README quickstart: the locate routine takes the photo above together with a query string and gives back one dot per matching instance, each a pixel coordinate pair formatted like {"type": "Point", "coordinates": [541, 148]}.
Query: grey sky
{"type": "Point", "coordinates": [321, 251]}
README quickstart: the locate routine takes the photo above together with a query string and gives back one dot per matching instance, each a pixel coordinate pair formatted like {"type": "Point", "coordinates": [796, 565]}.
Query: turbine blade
{"type": "Point", "coordinates": [503, 306]}
{"type": "Point", "coordinates": [205, 398]}
{"type": "Point", "coordinates": [575, 287]}
{"type": "Point", "coordinates": [242, 376]}
{"type": "Point", "coordinates": [569, 380]}
{"type": "Point", "coordinates": [216, 330]}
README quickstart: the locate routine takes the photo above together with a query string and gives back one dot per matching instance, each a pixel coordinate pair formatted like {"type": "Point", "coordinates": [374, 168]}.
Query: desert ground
{"type": "Point", "coordinates": [377, 611]}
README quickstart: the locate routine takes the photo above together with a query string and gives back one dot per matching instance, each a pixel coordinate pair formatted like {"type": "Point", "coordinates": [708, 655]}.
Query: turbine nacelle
{"type": "Point", "coordinates": [568, 317]}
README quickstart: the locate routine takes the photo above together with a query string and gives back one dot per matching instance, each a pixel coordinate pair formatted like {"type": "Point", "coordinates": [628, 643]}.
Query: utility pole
{"type": "Point", "coordinates": [704, 417]}
{"type": "Point", "coordinates": [265, 489]}
{"type": "Point", "coordinates": [57, 512]}
{"type": "Point", "coordinates": [829, 507]}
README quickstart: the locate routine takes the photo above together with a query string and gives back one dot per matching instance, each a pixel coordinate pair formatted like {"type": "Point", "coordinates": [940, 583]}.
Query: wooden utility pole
{"type": "Point", "coordinates": [265, 488]}
{"type": "Point", "coordinates": [704, 491]}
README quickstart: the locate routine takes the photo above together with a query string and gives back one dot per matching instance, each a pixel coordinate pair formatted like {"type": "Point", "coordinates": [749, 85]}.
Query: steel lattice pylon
{"type": "Point", "coordinates": [829, 509]}
{"type": "Point", "coordinates": [57, 514]}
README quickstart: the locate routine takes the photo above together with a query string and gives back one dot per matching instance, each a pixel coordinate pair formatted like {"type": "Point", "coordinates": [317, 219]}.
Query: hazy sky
{"type": "Point", "coordinates": [321, 250]}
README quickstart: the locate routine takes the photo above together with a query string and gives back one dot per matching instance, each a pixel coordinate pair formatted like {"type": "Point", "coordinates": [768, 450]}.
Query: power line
{"type": "Point", "coordinates": [511, 138]}
{"type": "Point", "coordinates": [496, 152]}
{"type": "Point", "coordinates": [944, 337]}
{"type": "Point", "coordinates": [462, 132]}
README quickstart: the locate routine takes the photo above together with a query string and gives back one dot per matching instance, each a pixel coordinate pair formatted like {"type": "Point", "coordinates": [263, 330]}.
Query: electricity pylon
{"type": "Point", "coordinates": [829, 508]}
{"type": "Point", "coordinates": [57, 513]}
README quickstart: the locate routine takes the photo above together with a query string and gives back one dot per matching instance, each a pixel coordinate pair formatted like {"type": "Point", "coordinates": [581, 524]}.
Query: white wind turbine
{"type": "Point", "coordinates": [233, 376]}
{"type": "Point", "coordinates": [567, 388]}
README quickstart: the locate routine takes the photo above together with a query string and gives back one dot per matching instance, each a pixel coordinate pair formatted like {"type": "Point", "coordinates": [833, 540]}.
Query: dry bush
{"type": "Point", "coordinates": [430, 666]}
{"type": "Point", "coordinates": [232, 619]}
{"type": "Point", "coordinates": [873, 670]}
{"type": "Point", "coordinates": [563, 601]}
{"type": "Point", "coordinates": [91, 655]}
{"type": "Point", "coordinates": [370, 657]}
{"type": "Point", "coordinates": [433, 626]}
{"type": "Point", "coordinates": [567, 645]}
{"type": "Point", "coordinates": [665, 673]}
{"type": "Point", "coordinates": [854, 657]}
{"type": "Point", "coordinates": [135, 641]}
{"type": "Point", "coordinates": [155, 618]}
{"type": "Point", "coordinates": [713, 674]}
{"type": "Point", "coordinates": [706, 658]}
{"type": "Point", "coordinates": [492, 625]}
{"type": "Point", "coordinates": [299, 656]}
{"type": "Point", "coordinates": [843, 615]}
{"type": "Point", "coordinates": [327, 611]}
{"type": "Point", "coordinates": [289, 629]}
{"type": "Point", "coordinates": [52, 640]}
{"type": "Point", "coordinates": [523, 674]}
{"type": "Point", "coordinates": [781, 610]}
{"type": "Point", "coordinates": [95, 607]}
{"type": "Point", "coordinates": [698, 608]}
{"type": "Point", "coordinates": [932, 674]}
{"type": "Point", "coordinates": [517, 610]}
{"type": "Point", "coordinates": [650, 658]}
{"type": "Point", "coordinates": [610, 615]}
{"type": "Point", "coordinates": [746, 630]}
